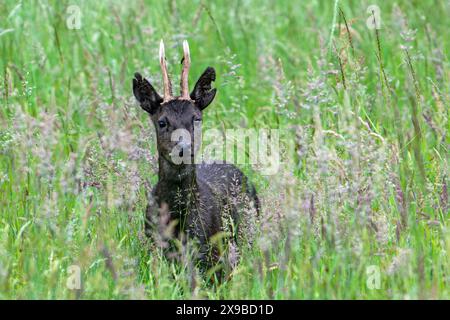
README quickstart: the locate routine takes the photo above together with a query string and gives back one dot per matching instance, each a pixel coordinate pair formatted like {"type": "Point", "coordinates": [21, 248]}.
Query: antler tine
{"type": "Point", "coordinates": [165, 74]}
{"type": "Point", "coordinates": [185, 72]}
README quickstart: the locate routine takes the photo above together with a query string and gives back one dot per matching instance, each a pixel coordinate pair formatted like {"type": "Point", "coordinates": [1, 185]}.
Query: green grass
{"type": "Point", "coordinates": [366, 183]}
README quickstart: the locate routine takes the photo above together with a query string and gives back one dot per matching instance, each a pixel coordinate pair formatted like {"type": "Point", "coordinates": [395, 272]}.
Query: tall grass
{"type": "Point", "coordinates": [364, 180]}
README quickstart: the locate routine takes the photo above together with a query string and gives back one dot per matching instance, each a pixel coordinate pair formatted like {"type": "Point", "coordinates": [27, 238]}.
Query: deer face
{"type": "Point", "coordinates": [177, 120]}
{"type": "Point", "coordinates": [175, 123]}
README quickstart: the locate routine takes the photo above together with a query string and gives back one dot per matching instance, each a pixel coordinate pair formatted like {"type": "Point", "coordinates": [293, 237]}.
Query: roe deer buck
{"type": "Point", "coordinates": [212, 195]}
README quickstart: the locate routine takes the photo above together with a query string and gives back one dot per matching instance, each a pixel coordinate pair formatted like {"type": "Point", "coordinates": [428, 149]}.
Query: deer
{"type": "Point", "coordinates": [212, 194]}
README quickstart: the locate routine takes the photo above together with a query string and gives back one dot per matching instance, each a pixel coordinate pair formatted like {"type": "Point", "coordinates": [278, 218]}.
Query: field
{"type": "Point", "coordinates": [357, 210]}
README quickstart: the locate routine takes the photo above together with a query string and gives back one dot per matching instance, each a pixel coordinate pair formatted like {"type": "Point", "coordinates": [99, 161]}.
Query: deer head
{"type": "Point", "coordinates": [174, 117]}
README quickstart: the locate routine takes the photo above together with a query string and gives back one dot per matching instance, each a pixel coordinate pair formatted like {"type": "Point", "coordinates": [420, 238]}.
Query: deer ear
{"type": "Point", "coordinates": [147, 96]}
{"type": "Point", "coordinates": [202, 94]}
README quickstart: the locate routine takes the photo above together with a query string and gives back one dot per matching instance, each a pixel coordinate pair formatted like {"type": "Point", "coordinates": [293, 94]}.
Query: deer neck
{"type": "Point", "coordinates": [183, 176]}
{"type": "Point", "coordinates": [178, 188]}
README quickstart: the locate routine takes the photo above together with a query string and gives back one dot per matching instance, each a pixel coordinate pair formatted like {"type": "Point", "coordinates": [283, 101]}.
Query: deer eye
{"type": "Point", "coordinates": [162, 123]}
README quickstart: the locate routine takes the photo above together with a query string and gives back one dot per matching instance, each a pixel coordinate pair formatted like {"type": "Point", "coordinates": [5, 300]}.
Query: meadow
{"type": "Point", "coordinates": [361, 90]}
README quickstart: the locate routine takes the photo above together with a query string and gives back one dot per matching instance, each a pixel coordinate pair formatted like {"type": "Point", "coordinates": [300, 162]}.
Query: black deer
{"type": "Point", "coordinates": [202, 198]}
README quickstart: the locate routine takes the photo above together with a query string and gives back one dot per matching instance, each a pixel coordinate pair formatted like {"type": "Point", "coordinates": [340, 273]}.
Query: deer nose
{"type": "Point", "coordinates": [184, 146]}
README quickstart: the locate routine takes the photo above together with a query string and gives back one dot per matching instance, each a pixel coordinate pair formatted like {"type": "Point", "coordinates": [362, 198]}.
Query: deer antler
{"type": "Point", "coordinates": [165, 74]}
{"type": "Point", "coordinates": [184, 85]}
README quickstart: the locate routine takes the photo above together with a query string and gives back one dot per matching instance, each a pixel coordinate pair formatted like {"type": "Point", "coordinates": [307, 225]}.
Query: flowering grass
{"type": "Point", "coordinates": [358, 210]}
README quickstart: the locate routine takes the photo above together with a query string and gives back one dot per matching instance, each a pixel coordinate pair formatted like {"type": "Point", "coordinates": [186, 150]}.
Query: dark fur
{"type": "Point", "coordinates": [207, 191]}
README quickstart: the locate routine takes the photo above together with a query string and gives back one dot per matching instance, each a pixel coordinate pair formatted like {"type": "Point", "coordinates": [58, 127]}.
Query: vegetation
{"type": "Point", "coordinates": [361, 195]}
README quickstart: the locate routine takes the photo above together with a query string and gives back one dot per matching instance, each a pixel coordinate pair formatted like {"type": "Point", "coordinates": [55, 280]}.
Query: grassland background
{"type": "Point", "coordinates": [368, 113]}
